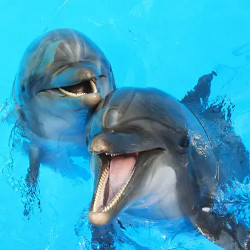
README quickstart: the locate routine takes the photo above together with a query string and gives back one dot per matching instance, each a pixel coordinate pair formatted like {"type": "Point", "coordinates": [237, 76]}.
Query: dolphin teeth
{"type": "Point", "coordinates": [92, 83]}
{"type": "Point", "coordinates": [70, 93]}
{"type": "Point", "coordinates": [111, 154]}
{"type": "Point", "coordinates": [99, 189]}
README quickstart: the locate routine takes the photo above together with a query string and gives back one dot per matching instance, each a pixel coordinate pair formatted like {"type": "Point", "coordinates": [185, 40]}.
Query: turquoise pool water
{"type": "Point", "coordinates": [164, 44]}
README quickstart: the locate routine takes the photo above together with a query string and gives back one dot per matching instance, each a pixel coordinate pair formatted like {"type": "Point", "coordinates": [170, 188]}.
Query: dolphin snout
{"type": "Point", "coordinates": [100, 144]}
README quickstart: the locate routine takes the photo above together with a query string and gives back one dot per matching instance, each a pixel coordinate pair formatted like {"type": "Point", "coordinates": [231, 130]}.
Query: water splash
{"type": "Point", "coordinates": [6, 110]}
{"type": "Point", "coordinates": [14, 172]}
{"type": "Point", "coordinates": [224, 105]}
{"type": "Point", "coordinates": [233, 199]}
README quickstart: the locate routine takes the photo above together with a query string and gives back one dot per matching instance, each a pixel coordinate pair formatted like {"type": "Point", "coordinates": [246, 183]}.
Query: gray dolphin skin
{"type": "Point", "coordinates": [152, 158]}
{"type": "Point", "coordinates": [62, 77]}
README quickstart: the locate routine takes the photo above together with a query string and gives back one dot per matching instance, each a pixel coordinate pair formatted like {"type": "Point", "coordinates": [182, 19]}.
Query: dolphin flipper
{"type": "Point", "coordinates": [33, 171]}
{"type": "Point", "coordinates": [31, 179]}
{"type": "Point", "coordinates": [222, 230]}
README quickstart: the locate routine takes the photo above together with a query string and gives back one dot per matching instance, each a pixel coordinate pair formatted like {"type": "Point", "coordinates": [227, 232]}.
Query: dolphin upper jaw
{"type": "Point", "coordinates": [121, 143]}
{"type": "Point", "coordinates": [100, 144]}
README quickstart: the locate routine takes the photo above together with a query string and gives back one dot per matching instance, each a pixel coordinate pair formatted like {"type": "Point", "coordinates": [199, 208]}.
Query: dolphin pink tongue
{"type": "Point", "coordinates": [121, 167]}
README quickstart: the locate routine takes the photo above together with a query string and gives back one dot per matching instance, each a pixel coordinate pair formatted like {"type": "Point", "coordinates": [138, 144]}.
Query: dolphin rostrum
{"type": "Point", "coordinates": [152, 158]}
{"type": "Point", "coordinates": [62, 77]}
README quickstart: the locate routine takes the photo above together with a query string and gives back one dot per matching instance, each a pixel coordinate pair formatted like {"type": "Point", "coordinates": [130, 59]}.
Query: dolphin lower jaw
{"type": "Point", "coordinates": [99, 219]}
{"type": "Point", "coordinates": [112, 185]}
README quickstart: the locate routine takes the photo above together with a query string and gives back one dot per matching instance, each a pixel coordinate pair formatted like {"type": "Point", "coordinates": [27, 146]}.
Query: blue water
{"type": "Point", "coordinates": [165, 44]}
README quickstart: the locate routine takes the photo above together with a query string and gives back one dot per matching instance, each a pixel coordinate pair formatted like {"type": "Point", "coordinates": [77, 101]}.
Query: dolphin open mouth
{"type": "Point", "coordinates": [82, 88]}
{"type": "Point", "coordinates": [116, 173]}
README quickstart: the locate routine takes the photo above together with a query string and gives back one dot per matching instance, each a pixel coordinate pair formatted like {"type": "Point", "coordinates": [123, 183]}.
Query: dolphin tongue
{"type": "Point", "coordinates": [121, 167]}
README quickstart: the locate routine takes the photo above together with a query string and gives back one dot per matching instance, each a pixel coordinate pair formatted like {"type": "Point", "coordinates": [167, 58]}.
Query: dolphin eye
{"type": "Point", "coordinates": [110, 118]}
{"type": "Point", "coordinates": [184, 142]}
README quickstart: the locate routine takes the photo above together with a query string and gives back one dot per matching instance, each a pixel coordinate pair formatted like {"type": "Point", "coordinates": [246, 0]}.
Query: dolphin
{"type": "Point", "coordinates": [152, 158]}
{"type": "Point", "coordinates": [62, 77]}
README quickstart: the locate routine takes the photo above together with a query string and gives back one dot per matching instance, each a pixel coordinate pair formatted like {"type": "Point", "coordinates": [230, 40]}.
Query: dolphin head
{"type": "Point", "coordinates": [131, 130]}
{"type": "Point", "coordinates": [63, 75]}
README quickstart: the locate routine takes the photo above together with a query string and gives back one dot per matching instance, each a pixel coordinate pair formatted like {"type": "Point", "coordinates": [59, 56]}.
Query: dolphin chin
{"type": "Point", "coordinates": [99, 219]}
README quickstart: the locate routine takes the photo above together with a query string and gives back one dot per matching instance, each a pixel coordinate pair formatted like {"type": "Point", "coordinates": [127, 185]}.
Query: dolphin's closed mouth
{"type": "Point", "coordinates": [82, 88]}
{"type": "Point", "coordinates": [117, 171]}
